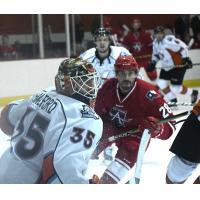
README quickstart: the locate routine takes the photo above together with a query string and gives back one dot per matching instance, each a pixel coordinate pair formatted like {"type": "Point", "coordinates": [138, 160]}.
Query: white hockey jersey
{"type": "Point", "coordinates": [106, 68]}
{"type": "Point", "coordinates": [169, 51]}
{"type": "Point", "coordinates": [54, 137]}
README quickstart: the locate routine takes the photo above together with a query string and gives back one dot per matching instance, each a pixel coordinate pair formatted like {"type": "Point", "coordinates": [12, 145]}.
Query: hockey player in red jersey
{"type": "Point", "coordinates": [126, 103]}
{"type": "Point", "coordinates": [118, 33]}
{"type": "Point", "coordinates": [186, 149]}
{"type": "Point", "coordinates": [139, 43]}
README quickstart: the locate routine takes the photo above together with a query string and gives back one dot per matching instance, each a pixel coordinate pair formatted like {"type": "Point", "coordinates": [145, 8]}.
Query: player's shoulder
{"type": "Point", "coordinates": [110, 83]}
{"type": "Point", "coordinates": [68, 102]}
{"type": "Point", "coordinates": [149, 91]}
{"type": "Point", "coordinates": [117, 51]}
{"type": "Point", "coordinates": [169, 39]}
{"type": "Point", "coordinates": [75, 108]}
{"type": "Point", "coordinates": [88, 53]}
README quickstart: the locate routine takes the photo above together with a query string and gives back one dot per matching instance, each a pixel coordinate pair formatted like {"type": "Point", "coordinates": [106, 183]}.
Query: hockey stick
{"type": "Point", "coordinates": [178, 66]}
{"type": "Point", "coordinates": [141, 152]}
{"type": "Point", "coordinates": [180, 104]}
{"type": "Point", "coordinates": [133, 131]}
{"type": "Point", "coordinates": [190, 43]}
{"type": "Point", "coordinates": [140, 156]}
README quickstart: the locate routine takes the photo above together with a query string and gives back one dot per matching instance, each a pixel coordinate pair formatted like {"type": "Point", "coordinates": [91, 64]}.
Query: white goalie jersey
{"type": "Point", "coordinates": [54, 137]}
{"type": "Point", "coordinates": [106, 68]}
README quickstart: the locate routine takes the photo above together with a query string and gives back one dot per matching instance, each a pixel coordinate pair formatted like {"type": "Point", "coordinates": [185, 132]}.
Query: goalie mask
{"type": "Point", "coordinates": [77, 76]}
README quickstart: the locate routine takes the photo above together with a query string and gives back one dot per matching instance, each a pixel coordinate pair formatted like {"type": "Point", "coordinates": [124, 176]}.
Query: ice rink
{"type": "Point", "coordinates": [155, 160]}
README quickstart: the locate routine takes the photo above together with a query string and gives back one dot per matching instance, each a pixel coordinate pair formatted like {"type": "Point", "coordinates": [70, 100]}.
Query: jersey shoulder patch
{"type": "Point", "coordinates": [152, 94]}
{"type": "Point", "coordinates": [88, 112]}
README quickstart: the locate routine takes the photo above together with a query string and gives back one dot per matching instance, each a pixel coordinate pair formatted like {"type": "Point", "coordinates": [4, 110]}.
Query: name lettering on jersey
{"type": "Point", "coordinates": [44, 102]}
{"type": "Point", "coordinates": [151, 95]}
{"type": "Point", "coordinates": [119, 116]}
{"type": "Point", "coordinates": [88, 112]}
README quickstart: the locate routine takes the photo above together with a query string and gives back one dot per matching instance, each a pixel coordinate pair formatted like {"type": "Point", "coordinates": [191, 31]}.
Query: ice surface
{"type": "Point", "coordinates": [155, 160]}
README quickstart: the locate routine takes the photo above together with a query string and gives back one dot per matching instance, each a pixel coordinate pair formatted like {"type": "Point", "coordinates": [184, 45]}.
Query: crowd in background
{"type": "Point", "coordinates": [185, 27]}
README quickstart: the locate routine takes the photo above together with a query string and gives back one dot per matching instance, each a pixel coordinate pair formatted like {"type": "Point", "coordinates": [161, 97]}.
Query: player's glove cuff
{"type": "Point", "coordinates": [151, 123]}
{"type": "Point", "coordinates": [187, 62]}
{"type": "Point", "coordinates": [151, 66]}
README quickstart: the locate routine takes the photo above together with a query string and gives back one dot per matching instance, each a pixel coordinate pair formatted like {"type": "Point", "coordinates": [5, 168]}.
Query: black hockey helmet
{"type": "Point", "coordinates": [159, 29]}
{"type": "Point", "coordinates": [101, 32]}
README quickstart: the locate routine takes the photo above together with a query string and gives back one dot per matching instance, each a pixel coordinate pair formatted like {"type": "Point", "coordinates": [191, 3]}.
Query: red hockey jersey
{"type": "Point", "coordinates": [140, 45]}
{"type": "Point", "coordinates": [126, 113]}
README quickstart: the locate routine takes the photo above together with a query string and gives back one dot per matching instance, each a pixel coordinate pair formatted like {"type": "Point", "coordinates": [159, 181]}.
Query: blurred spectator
{"type": "Point", "coordinates": [182, 28]}
{"type": "Point", "coordinates": [96, 23]}
{"type": "Point", "coordinates": [18, 47]}
{"type": "Point", "coordinates": [195, 25]}
{"type": "Point", "coordinates": [48, 42]}
{"type": "Point", "coordinates": [139, 43]}
{"type": "Point", "coordinates": [118, 33]}
{"type": "Point", "coordinates": [79, 33]}
{"type": "Point", "coordinates": [7, 51]}
{"type": "Point", "coordinates": [196, 44]}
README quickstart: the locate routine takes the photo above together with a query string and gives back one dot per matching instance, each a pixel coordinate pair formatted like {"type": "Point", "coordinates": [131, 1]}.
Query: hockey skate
{"type": "Point", "coordinates": [194, 96]}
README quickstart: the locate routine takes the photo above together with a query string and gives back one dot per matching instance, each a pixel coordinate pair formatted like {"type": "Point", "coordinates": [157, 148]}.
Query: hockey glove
{"type": "Point", "coordinates": [187, 62]}
{"type": "Point", "coordinates": [151, 123]}
{"type": "Point", "coordinates": [196, 109]}
{"type": "Point", "coordinates": [151, 66]}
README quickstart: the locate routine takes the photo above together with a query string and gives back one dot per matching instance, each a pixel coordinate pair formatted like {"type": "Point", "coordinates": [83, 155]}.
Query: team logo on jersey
{"type": "Point", "coordinates": [119, 116]}
{"type": "Point", "coordinates": [151, 95]}
{"type": "Point", "coordinates": [137, 46]}
{"type": "Point", "coordinates": [88, 112]}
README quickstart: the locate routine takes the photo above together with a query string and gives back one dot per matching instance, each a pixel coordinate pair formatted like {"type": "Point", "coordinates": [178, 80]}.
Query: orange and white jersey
{"type": "Point", "coordinates": [169, 51]}
{"type": "Point", "coordinates": [54, 137]}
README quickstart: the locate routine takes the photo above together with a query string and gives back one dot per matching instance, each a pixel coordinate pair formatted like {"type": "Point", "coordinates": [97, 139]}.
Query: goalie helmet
{"type": "Point", "coordinates": [126, 62]}
{"type": "Point", "coordinates": [101, 32]}
{"type": "Point", "coordinates": [77, 76]}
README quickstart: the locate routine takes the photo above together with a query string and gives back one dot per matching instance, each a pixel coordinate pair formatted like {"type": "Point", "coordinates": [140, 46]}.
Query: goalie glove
{"type": "Point", "coordinates": [187, 62]}
{"type": "Point", "coordinates": [151, 123]}
{"type": "Point", "coordinates": [151, 66]}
